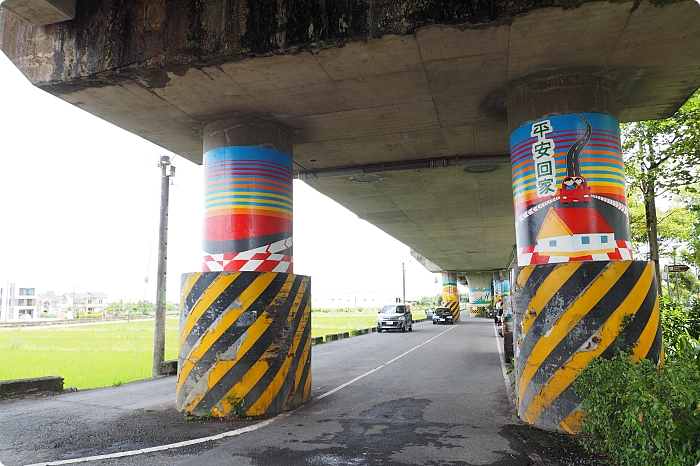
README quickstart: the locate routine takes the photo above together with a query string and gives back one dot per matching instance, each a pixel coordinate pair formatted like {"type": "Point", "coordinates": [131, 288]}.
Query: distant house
{"type": "Point", "coordinates": [17, 303]}
{"type": "Point", "coordinates": [91, 302]}
{"type": "Point", "coordinates": [51, 303]}
{"type": "Point", "coordinates": [575, 232]}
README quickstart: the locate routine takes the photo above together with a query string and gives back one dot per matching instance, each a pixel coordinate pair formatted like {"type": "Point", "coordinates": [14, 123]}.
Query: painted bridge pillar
{"type": "Point", "coordinates": [245, 321]}
{"type": "Point", "coordinates": [577, 293]}
{"type": "Point", "coordinates": [479, 286]}
{"type": "Point", "coordinates": [450, 294]}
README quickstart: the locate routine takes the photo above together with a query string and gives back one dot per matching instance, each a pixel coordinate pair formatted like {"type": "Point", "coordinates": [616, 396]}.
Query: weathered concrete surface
{"type": "Point", "coordinates": [364, 83]}
{"type": "Point", "coordinates": [34, 385]}
{"type": "Point", "coordinates": [42, 12]}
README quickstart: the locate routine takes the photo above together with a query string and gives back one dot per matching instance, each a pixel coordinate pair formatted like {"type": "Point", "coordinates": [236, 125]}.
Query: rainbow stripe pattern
{"type": "Point", "coordinates": [247, 210]}
{"type": "Point", "coordinates": [601, 159]}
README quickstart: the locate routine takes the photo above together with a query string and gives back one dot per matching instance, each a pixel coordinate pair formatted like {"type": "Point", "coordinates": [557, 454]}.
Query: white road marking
{"type": "Point", "coordinates": [169, 446]}
{"type": "Point", "coordinates": [339, 387]}
{"type": "Point", "coordinates": [503, 359]}
{"type": "Point", "coordinates": [231, 433]}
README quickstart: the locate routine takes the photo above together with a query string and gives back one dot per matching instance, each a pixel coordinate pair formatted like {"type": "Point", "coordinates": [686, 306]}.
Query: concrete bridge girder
{"type": "Point", "coordinates": [381, 85]}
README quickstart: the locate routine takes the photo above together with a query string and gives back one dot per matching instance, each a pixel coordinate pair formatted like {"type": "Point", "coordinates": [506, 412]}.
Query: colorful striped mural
{"type": "Point", "coordinates": [248, 210]}
{"type": "Point", "coordinates": [566, 315]}
{"type": "Point", "coordinates": [244, 342]}
{"type": "Point", "coordinates": [569, 190]}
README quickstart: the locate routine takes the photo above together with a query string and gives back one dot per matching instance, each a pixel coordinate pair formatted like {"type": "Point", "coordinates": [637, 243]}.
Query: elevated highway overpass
{"type": "Point", "coordinates": [404, 113]}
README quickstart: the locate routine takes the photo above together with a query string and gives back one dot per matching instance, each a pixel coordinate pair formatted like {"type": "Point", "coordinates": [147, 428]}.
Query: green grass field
{"type": "Point", "coordinates": [86, 356]}
{"type": "Point", "coordinates": [101, 355]}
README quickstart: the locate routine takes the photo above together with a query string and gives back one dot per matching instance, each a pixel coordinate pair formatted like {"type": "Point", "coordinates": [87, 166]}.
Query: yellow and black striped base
{"type": "Point", "coordinates": [245, 345]}
{"type": "Point", "coordinates": [567, 314]}
{"type": "Point", "coordinates": [454, 307]}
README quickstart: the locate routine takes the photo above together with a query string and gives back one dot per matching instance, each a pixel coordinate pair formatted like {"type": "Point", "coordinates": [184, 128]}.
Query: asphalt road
{"type": "Point", "coordinates": [436, 395]}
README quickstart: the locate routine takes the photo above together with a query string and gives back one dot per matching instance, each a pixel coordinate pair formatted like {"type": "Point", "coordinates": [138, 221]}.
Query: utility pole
{"type": "Point", "coordinates": [159, 335]}
{"type": "Point", "coordinates": [403, 270]}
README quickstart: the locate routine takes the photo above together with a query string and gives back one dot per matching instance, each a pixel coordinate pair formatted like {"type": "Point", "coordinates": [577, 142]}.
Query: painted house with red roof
{"type": "Point", "coordinates": [574, 232]}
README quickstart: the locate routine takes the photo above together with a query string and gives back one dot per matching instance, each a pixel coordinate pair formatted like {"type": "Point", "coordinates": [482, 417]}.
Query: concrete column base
{"type": "Point", "coordinates": [245, 343]}
{"type": "Point", "coordinates": [566, 315]}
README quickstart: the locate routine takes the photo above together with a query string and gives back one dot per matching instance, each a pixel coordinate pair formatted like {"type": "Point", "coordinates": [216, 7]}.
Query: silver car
{"type": "Point", "coordinates": [395, 317]}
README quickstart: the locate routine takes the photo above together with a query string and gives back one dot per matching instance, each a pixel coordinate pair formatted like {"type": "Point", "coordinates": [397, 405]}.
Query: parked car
{"type": "Point", "coordinates": [442, 315]}
{"type": "Point", "coordinates": [395, 317]}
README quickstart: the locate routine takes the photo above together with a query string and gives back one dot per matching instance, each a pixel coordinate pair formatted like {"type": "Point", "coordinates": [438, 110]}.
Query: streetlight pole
{"type": "Point", "coordinates": [159, 332]}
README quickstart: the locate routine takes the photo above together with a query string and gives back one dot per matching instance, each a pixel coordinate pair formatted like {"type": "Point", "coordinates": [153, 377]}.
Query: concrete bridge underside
{"type": "Point", "coordinates": [412, 92]}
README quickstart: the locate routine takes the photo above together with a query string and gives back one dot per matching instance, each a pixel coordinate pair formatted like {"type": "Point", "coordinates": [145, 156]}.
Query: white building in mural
{"type": "Point", "coordinates": [575, 232]}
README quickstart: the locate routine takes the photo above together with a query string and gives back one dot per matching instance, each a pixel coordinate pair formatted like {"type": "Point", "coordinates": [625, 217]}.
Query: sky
{"type": "Point", "coordinates": [79, 208]}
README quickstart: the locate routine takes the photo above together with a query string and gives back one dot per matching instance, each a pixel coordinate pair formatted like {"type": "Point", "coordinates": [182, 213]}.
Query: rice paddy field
{"type": "Point", "coordinates": [89, 355]}
{"type": "Point", "coordinates": [85, 355]}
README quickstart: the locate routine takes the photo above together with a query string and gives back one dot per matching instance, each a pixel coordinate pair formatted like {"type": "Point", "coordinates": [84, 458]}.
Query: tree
{"type": "Point", "coordinates": [662, 156]}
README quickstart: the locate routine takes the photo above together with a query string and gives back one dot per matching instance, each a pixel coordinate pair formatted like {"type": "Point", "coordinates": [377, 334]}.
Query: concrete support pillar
{"type": "Point", "coordinates": [450, 294]}
{"type": "Point", "coordinates": [479, 285]}
{"type": "Point", "coordinates": [245, 321]}
{"type": "Point", "coordinates": [577, 293]}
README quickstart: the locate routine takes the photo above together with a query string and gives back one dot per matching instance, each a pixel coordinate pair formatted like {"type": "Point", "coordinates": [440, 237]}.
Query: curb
{"type": "Point", "coordinates": [355, 333]}
{"type": "Point", "coordinates": [53, 384]}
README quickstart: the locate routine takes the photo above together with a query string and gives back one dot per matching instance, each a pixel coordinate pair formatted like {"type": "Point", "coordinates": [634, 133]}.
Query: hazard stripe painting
{"type": "Point", "coordinates": [566, 315]}
{"type": "Point", "coordinates": [244, 343]}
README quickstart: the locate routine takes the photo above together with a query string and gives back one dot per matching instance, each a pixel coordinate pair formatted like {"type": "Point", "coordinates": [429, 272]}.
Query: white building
{"type": "Point", "coordinates": [50, 303]}
{"type": "Point", "coordinates": [17, 303]}
{"type": "Point", "coordinates": [92, 302]}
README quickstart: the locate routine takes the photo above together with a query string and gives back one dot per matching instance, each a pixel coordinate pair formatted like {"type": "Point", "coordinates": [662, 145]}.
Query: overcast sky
{"type": "Point", "coordinates": [80, 201]}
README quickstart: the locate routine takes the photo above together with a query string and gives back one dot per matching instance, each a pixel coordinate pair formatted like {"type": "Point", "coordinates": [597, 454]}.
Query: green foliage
{"type": "Point", "coordinates": [637, 414]}
{"type": "Point", "coordinates": [89, 315]}
{"type": "Point", "coordinates": [667, 151]}
{"type": "Point", "coordinates": [238, 405]}
{"type": "Point", "coordinates": [674, 322]}
{"type": "Point", "coordinates": [327, 323]}
{"type": "Point", "coordinates": [675, 224]}
{"type": "Point", "coordinates": [338, 310]}
{"type": "Point", "coordinates": [661, 156]}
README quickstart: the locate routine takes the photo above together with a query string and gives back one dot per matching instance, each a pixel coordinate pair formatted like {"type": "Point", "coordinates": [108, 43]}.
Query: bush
{"type": "Point", "coordinates": [674, 320]}
{"type": "Point", "coordinates": [637, 414]}
{"type": "Point", "coordinates": [694, 319]}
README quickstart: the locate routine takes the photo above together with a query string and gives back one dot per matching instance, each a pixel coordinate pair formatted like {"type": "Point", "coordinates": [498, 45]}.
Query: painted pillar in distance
{"type": "Point", "coordinates": [245, 321]}
{"type": "Point", "coordinates": [480, 293]}
{"type": "Point", "coordinates": [576, 283]}
{"type": "Point", "coordinates": [450, 294]}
